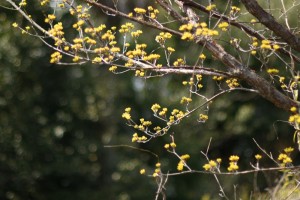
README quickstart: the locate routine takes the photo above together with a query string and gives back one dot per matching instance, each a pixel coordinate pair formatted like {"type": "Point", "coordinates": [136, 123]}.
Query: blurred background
{"type": "Point", "coordinates": [56, 120]}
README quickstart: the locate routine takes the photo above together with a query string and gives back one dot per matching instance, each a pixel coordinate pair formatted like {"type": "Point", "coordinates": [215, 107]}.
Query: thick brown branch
{"type": "Point", "coordinates": [268, 20]}
{"type": "Point", "coordinates": [237, 69]}
{"type": "Point", "coordinates": [237, 24]}
{"type": "Point", "coordinates": [265, 88]}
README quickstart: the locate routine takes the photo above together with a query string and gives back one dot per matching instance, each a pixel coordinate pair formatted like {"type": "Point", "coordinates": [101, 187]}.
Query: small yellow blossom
{"type": "Point", "coordinates": [210, 7]}
{"type": "Point", "coordinates": [142, 171]}
{"type": "Point", "coordinates": [203, 117]}
{"type": "Point", "coordinates": [293, 109]}
{"type": "Point", "coordinates": [234, 158]}
{"type": "Point", "coordinates": [258, 156]}
{"type": "Point", "coordinates": [206, 167]}
{"type": "Point", "coordinates": [15, 25]}
{"type": "Point", "coordinates": [185, 157]}
{"type": "Point", "coordinates": [173, 145]}
{"type": "Point", "coordinates": [288, 149]}
{"type": "Point", "coordinates": [180, 165]}
{"type": "Point", "coordinates": [273, 71]}
{"type": "Point", "coordinates": [155, 107]}
{"type": "Point", "coordinates": [202, 56]}
{"type": "Point", "coordinates": [223, 26]}
{"type": "Point", "coordinates": [140, 10]}
{"type": "Point", "coordinates": [276, 47]}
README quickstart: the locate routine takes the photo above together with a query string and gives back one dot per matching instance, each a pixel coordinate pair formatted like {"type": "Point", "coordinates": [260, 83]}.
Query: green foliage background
{"type": "Point", "coordinates": [56, 120]}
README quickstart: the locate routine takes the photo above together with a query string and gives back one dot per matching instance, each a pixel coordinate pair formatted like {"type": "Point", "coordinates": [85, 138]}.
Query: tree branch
{"type": "Point", "coordinates": [268, 20]}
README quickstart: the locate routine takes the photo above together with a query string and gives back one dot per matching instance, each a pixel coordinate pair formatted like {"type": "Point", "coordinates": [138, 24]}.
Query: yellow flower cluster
{"type": "Point", "coordinates": [266, 44]}
{"type": "Point", "coordinates": [233, 163]}
{"type": "Point", "coordinates": [273, 71]}
{"type": "Point", "coordinates": [57, 30]}
{"type": "Point", "coordinates": [185, 100]}
{"type": "Point", "coordinates": [152, 57]}
{"type": "Point", "coordinates": [142, 171]}
{"type": "Point", "coordinates": [218, 78]}
{"type": "Point", "coordinates": [179, 62]}
{"type": "Point", "coordinates": [168, 146]}
{"type": "Point", "coordinates": [157, 169]}
{"type": "Point", "coordinates": [155, 107]}
{"type": "Point", "coordinates": [125, 28]}
{"type": "Point", "coordinates": [285, 159]}
{"type": "Point", "coordinates": [212, 165]}
{"type": "Point", "coordinates": [113, 68]}
{"type": "Point", "coordinates": [234, 10]}
{"type": "Point", "coordinates": [170, 50]}
{"type": "Point", "coordinates": [141, 11]}
{"type": "Point", "coordinates": [162, 37]}
{"type": "Point", "coordinates": [126, 114]}
{"type": "Point", "coordinates": [203, 117]}
{"type": "Point", "coordinates": [294, 118]}
{"type": "Point", "coordinates": [163, 112]}
{"type": "Point", "coordinates": [186, 29]}
{"type": "Point", "coordinates": [152, 12]}
{"type": "Point", "coordinates": [140, 73]}
{"type": "Point", "coordinates": [181, 163]}
{"type": "Point", "coordinates": [97, 60]}
{"type": "Point", "coordinates": [258, 156]}
{"type": "Point", "coordinates": [210, 7]}
{"type": "Point", "coordinates": [50, 18]}
{"type": "Point", "coordinates": [223, 26]}
{"type": "Point", "coordinates": [232, 83]}
{"type": "Point", "coordinates": [82, 13]}
{"type": "Point", "coordinates": [23, 3]}
{"type": "Point", "coordinates": [136, 138]}
{"type": "Point", "coordinates": [108, 35]}
{"type": "Point", "coordinates": [136, 34]}
{"type": "Point", "coordinates": [95, 30]}
{"type": "Point", "coordinates": [202, 30]}
{"type": "Point", "coordinates": [143, 125]}
{"type": "Point", "coordinates": [55, 57]}
{"type": "Point", "coordinates": [202, 56]}
{"type": "Point", "coordinates": [44, 2]}
{"type": "Point", "coordinates": [293, 109]}
{"type": "Point", "coordinates": [138, 52]}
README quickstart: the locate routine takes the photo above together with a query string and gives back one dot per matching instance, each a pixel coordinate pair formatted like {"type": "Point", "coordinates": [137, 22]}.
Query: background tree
{"type": "Point", "coordinates": [235, 54]}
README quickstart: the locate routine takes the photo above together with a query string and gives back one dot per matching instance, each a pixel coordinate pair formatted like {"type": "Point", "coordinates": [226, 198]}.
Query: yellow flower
{"type": "Point", "coordinates": [234, 158]}
{"type": "Point", "coordinates": [210, 7]}
{"type": "Point", "coordinates": [258, 156]}
{"type": "Point", "coordinates": [126, 116]}
{"type": "Point", "coordinates": [206, 167]}
{"type": "Point", "coordinates": [293, 109]}
{"type": "Point", "coordinates": [185, 157]}
{"type": "Point", "coordinates": [273, 71]}
{"type": "Point", "coordinates": [170, 49]}
{"type": "Point", "coordinates": [212, 163]}
{"type": "Point", "coordinates": [288, 149]}
{"type": "Point", "coordinates": [142, 171]}
{"type": "Point", "coordinates": [202, 56]}
{"type": "Point", "coordinates": [173, 144]}
{"type": "Point", "coordinates": [276, 47]}
{"type": "Point", "coordinates": [140, 10]}
{"type": "Point", "coordinates": [167, 146]}
{"type": "Point", "coordinates": [180, 165]}
{"type": "Point", "coordinates": [15, 25]}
